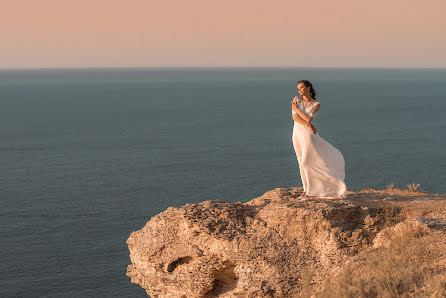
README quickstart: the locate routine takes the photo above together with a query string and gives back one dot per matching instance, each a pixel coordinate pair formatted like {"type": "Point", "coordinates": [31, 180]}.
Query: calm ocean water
{"type": "Point", "coordinates": [88, 156]}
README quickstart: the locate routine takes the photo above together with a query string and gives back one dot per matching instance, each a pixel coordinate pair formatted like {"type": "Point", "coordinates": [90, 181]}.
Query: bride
{"type": "Point", "coordinates": [321, 165]}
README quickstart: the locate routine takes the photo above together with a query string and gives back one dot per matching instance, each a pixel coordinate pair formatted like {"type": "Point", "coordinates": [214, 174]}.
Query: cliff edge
{"type": "Point", "coordinates": [373, 243]}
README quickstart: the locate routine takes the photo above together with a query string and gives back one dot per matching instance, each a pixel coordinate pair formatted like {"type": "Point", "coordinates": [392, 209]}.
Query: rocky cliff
{"type": "Point", "coordinates": [277, 246]}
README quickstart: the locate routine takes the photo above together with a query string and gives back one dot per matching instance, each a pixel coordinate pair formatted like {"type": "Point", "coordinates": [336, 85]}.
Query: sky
{"type": "Point", "coordinates": [227, 33]}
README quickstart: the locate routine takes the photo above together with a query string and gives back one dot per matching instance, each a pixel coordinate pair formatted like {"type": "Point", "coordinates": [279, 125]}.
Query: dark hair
{"type": "Point", "coordinates": [308, 84]}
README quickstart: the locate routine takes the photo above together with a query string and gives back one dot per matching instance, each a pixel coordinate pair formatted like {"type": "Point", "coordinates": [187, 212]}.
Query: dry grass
{"type": "Point", "coordinates": [307, 283]}
{"type": "Point", "coordinates": [400, 270]}
{"type": "Point", "coordinates": [391, 189]}
{"type": "Point", "coordinates": [413, 187]}
{"type": "Point", "coordinates": [390, 186]}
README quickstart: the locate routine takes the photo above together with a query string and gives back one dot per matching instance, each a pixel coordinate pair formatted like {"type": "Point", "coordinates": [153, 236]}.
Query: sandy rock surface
{"type": "Point", "coordinates": [266, 247]}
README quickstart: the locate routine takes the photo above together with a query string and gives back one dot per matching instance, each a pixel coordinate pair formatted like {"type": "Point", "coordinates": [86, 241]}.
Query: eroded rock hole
{"type": "Point", "coordinates": [225, 281]}
{"type": "Point", "coordinates": [172, 266]}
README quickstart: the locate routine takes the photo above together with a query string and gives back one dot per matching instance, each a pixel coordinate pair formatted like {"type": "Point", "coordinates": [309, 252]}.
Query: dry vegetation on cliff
{"type": "Point", "coordinates": [410, 266]}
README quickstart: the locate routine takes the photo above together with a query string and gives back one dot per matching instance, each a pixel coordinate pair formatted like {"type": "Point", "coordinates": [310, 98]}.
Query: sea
{"type": "Point", "coordinates": [87, 156]}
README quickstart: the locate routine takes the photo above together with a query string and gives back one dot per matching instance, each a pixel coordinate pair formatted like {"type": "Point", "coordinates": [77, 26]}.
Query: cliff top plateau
{"type": "Point", "coordinates": [374, 243]}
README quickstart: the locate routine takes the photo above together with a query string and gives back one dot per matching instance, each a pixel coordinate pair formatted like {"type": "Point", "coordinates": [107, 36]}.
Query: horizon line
{"type": "Point", "coordinates": [217, 67]}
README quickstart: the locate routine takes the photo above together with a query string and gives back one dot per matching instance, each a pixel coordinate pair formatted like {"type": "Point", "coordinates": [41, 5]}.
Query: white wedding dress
{"type": "Point", "coordinates": [322, 166]}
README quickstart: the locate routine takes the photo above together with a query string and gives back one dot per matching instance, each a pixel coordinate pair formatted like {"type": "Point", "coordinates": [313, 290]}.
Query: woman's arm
{"type": "Point", "coordinates": [304, 123]}
{"type": "Point", "coordinates": [299, 112]}
{"type": "Point", "coordinates": [299, 120]}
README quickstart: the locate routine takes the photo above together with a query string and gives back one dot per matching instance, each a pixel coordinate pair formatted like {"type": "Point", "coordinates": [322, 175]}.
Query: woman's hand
{"type": "Point", "coordinates": [294, 105]}
{"type": "Point", "coordinates": [294, 101]}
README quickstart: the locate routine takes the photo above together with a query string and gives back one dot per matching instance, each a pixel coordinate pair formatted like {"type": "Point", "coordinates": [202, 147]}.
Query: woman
{"type": "Point", "coordinates": [322, 166]}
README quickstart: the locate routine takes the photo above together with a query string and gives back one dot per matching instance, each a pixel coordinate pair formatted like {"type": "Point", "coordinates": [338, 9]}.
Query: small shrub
{"type": "Point", "coordinates": [413, 186]}
{"type": "Point", "coordinates": [391, 186]}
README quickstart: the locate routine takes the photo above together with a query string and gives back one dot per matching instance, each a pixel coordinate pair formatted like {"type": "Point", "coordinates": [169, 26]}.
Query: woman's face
{"type": "Point", "coordinates": [303, 90]}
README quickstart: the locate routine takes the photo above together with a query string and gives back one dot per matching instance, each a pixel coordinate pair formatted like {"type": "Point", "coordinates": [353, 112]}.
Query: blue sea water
{"type": "Point", "coordinates": [89, 155]}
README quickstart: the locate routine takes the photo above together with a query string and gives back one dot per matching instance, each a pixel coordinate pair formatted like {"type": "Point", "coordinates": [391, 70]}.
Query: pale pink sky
{"type": "Point", "coordinates": [149, 33]}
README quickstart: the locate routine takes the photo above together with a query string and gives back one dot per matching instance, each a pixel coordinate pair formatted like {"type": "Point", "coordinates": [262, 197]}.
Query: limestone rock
{"type": "Point", "coordinates": [270, 246]}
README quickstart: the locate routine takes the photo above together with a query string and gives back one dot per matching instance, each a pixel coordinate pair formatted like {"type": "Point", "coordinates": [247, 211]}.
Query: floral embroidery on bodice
{"type": "Point", "coordinates": [308, 108]}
